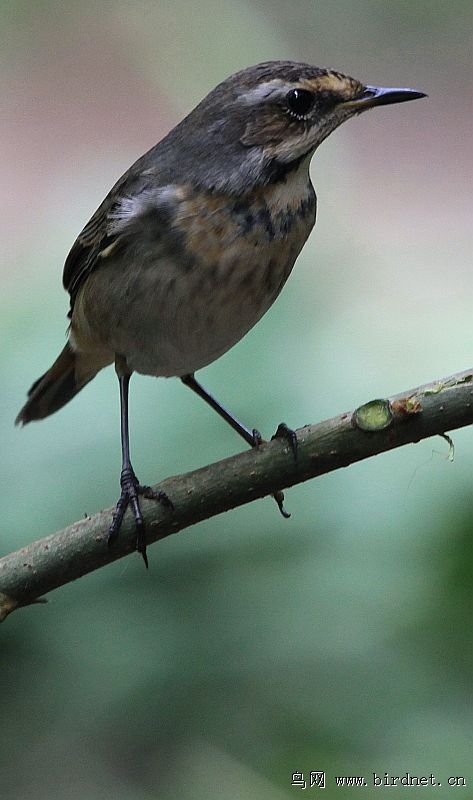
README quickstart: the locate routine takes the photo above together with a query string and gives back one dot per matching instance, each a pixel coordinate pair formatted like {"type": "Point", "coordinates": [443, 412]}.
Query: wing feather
{"type": "Point", "coordinates": [132, 196]}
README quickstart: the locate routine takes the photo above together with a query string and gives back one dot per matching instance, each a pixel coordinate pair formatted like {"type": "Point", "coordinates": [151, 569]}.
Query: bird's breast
{"type": "Point", "coordinates": [184, 297]}
{"type": "Point", "coordinates": [239, 241]}
{"type": "Point", "coordinates": [239, 254]}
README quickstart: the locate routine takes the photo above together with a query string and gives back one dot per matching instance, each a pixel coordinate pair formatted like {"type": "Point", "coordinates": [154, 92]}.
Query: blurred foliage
{"type": "Point", "coordinates": [340, 640]}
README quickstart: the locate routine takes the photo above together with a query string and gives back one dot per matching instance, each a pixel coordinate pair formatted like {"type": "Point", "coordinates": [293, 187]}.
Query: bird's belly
{"type": "Point", "coordinates": [204, 313]}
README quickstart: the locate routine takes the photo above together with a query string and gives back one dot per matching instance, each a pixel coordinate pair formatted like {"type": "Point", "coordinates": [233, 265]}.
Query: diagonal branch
{"type": "Point", "coordinates": [377, 426]}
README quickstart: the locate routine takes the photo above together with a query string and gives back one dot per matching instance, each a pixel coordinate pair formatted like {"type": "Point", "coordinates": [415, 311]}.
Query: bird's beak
{"type": "Point", "coordinates": [381, 96]}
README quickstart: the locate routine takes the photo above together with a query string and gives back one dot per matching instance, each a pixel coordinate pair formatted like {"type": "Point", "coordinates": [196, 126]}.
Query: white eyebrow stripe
{"type": "Point", "coordinates": [263, 91]}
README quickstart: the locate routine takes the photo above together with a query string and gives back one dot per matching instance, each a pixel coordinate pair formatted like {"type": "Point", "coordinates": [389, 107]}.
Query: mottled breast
{"type": "Point", "coordinates": [238, 254]}
{"type": "Point", "coordinates": [198, 272]}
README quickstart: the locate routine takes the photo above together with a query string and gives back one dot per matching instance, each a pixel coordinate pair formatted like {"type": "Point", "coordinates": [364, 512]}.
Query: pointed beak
{"type": "Point", "coordinates": [382, 96]}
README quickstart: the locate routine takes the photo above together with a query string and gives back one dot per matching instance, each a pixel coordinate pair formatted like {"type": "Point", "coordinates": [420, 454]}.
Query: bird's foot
{"type": "Point", "coordinates": [256, 439]}
{"type": "Point", "coordinates": [130, 494]}
{"type": "Point", "coordinates": [283, 432]}
{"type": "Point", "coordinates": [286, 433]}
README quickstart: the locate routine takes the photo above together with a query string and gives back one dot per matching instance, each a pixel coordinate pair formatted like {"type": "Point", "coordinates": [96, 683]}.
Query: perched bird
{"type": "Point", "coordinates": [196, 240]}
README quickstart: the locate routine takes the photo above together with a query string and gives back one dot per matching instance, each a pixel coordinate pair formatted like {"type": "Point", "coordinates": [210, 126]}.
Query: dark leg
{"type": "Point", "coordinates": [131, 488]}
{"type": "Point", "coordinates": [251, 437]}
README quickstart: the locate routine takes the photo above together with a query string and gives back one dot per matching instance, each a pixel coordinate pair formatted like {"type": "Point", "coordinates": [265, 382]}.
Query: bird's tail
{"type": "Point", "coordinates": [67, 376]}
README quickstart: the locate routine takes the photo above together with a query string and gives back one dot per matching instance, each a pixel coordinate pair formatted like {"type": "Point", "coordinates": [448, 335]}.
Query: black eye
{"type": "Point", "coordinates": [299, 102]}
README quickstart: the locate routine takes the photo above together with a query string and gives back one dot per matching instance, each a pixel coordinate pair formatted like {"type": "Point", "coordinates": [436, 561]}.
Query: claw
{"type": "Point", "coordinates": [251, 437]}
{"type": "Point", "coordinates": [160, 496]}
{"type": "Point", "coordinates": [283, 432]}
{"type": "Point", "coordinates": [141, 542]}
{"type": "Point", "coordinates": [131, 491]}
{"type": "Point", "coordinates": [286, 433]}
{"type": "Point", "coordinates": [279, 497]}
{"type": "Point", "coordinates": [257, 438]}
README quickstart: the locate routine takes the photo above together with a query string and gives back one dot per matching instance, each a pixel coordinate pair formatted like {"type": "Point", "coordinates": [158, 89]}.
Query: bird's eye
{"type": "Point", "coordinates": [299, 102]}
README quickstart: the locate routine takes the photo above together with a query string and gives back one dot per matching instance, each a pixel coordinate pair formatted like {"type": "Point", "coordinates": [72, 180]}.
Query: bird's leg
{"type": "Point", "coordinates": [131, 489]}
{"type": "Point", "coordinates": [251, 436]}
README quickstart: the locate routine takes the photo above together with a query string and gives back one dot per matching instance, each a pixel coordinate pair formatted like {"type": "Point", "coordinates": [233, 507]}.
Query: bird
{"type": "Point", "coordinates": [194, 243]}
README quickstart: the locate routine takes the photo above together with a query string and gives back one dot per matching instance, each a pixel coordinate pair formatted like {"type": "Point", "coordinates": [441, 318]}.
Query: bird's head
{"type": "Point", "coordinates": [291, 108]}
{"type": "Point", "coordinates": [270, 116]}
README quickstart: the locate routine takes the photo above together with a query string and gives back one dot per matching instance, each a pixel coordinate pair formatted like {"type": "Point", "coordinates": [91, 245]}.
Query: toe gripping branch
{"type": "Point", "coordinates": [288, 435]}
{"type": "Point", "coordinates": [131, 490]}
{"type": "Point", "coordinates": [251, 437]}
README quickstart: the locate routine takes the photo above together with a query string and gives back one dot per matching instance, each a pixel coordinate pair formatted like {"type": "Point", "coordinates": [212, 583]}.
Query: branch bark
{"type": "Point", "coordinates": [377, 426]}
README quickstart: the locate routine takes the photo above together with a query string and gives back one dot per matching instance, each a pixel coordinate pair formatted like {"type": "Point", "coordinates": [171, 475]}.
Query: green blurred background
{"type": "Point", "coordinates": [253, 648]}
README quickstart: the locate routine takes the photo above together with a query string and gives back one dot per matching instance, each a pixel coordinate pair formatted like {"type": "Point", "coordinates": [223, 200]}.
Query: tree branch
{"type": "Point", "coordinates": [377, 426]}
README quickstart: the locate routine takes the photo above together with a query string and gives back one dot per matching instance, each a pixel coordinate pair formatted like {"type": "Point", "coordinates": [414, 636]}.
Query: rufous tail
{"type": "Point", "coordinates": [67, 376]}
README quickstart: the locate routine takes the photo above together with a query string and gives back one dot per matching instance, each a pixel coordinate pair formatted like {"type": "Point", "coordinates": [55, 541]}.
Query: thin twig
{"type": "Point", "coordinates": [377, 426]}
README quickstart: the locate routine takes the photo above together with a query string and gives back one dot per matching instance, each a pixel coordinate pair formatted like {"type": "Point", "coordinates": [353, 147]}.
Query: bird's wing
{"type": "Point", "coordinates": [107, 229]}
